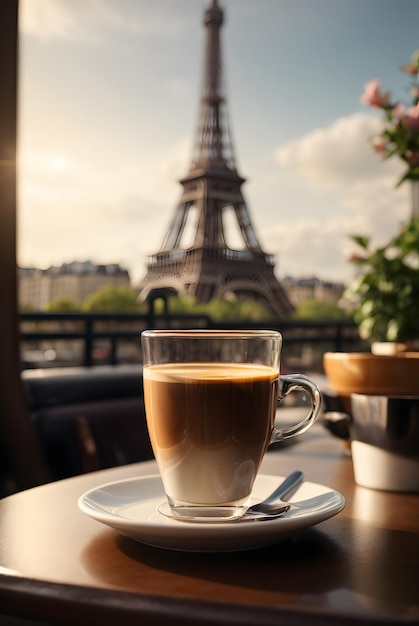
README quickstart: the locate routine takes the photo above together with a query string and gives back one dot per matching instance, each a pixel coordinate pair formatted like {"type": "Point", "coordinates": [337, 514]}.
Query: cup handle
{"type": "Point", "coordinates": [294, 382]}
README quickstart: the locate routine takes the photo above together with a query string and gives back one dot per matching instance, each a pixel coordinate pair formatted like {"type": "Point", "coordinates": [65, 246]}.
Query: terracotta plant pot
{"type": "Point", "coordinates": [358, 372]}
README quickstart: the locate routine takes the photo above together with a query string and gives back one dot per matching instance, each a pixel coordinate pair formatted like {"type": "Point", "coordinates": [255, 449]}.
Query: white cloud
{"type": "Point", "coordinates": [62, 19]}
{"type": "Point", "coordinates": [91, 20]}
{"type": "Point", "coordinates": [73, 209]}
{"type": "Point", "coordinates": [309, 247]}
{"type": "Point", "coordinates": [339, 155]}
{"type": "Point", "coordinates": [364, 201]}
{"type": "Point", "coordinates": [176, 161]}
{"type": "Point", "coordinates": [304, 247]}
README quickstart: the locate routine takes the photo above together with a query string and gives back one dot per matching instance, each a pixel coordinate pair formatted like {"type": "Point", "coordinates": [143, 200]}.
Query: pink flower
{"type": "Point", "coordinates": [373, 96]}
{"type": "Point", "coordinates": [411, 68]}
{"type": "Point", "coordinates": [400, 134]}
{"type": "Point", "coordinates": [399, 110]}
{"type": "Point", "coordinates": [355, 258]}
{"type": "Point", "coordinates": [412, 117]}
{"type": "Point", "coordinates": [379, 144]}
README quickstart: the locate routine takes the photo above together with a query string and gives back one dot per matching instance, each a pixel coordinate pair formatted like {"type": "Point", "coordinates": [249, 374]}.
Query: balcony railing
{"type": "Point", "coordinates": [67, 339]}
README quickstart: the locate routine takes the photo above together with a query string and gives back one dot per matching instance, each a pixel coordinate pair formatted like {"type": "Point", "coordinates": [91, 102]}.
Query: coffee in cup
{"type": "Point", "coordinates": [210, 400]}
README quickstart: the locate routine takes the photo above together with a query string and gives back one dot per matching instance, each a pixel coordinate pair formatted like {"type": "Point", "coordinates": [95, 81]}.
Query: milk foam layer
{"type": "Point", "coordinates": [182, 372]}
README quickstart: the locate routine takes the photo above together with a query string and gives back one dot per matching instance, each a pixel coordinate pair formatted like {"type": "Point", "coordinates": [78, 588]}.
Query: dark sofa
{"type": "Point", "coordinates": [88, 418]}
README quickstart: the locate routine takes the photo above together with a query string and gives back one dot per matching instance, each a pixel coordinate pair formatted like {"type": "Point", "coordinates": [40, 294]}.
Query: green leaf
{"type": "Point", "coordinates": [361, 241]}
{"type": "Point", "coordinates": [393, 330]}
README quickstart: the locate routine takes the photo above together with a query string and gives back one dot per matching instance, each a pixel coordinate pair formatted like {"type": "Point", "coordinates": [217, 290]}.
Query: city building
{"type": "Point", "coordinates": [300, 290]}
{"type": "Point", "coordinates": [76, 280]}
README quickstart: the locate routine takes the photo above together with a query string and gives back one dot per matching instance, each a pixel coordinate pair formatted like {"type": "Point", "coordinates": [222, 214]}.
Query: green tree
{"type": "Point", "coordinates": [318, 310]}
{"type": "Point", "coordinates": [63, 305]}
{"type": "Point", "coordinates": [113, 298]}
{"type": "Point", "coordinates": [238, 309]}
{"type": "Point", "coordinates": [221, 309]}
{"type": "Point", "coordinates": [179, 304]}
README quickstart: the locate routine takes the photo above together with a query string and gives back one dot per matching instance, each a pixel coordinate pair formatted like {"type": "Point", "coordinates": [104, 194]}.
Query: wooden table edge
{"type": "Point", "coordinates": [73, 604]}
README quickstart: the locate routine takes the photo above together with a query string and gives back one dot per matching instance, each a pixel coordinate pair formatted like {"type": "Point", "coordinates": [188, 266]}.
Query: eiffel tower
{"type": "Point", "coordinates": [195, 258]}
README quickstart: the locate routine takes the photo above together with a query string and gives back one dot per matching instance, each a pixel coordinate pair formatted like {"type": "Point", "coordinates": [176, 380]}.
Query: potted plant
{"type": "Point", "coordinates": [386, 290]}
{"type": "Point", "coordinates": [384, 301]}
{"type": "Point", "coordinates": [384, 297]}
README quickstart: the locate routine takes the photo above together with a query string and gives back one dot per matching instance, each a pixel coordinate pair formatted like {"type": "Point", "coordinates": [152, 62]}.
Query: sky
{"type": "Point", "coordinates": [109, 96]}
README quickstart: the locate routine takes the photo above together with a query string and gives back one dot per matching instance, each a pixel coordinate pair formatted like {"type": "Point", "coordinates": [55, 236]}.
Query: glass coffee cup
{"type": "Point", "coordinates": [210, 400]}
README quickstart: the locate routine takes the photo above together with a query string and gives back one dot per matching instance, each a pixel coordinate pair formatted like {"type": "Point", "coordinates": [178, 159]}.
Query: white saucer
{"type": "Point", "coordinates": [130, 506]}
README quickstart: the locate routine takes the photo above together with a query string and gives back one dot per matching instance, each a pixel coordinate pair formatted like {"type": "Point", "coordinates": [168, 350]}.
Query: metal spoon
{"type": "Point", "coordinates": [274, 505]}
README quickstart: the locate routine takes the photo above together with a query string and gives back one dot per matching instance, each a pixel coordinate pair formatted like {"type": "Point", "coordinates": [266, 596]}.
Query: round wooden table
{"type": "Point", "coordinates": [360, 567]}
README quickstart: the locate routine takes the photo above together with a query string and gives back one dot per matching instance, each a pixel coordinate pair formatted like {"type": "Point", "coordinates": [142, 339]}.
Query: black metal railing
{"type": "Point", "coordinates": [59, 339]}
